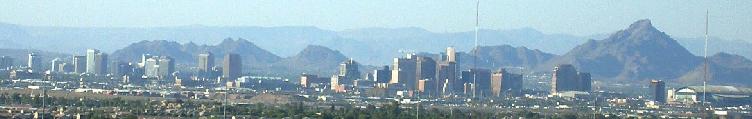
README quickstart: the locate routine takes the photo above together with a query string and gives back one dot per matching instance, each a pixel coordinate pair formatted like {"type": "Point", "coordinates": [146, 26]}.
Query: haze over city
{"type": "Point", "coordinates": [375, 59]}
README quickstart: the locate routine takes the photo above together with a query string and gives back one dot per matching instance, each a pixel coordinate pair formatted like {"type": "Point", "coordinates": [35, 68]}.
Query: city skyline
{"type": "Point", "coordinates": [374, 59]}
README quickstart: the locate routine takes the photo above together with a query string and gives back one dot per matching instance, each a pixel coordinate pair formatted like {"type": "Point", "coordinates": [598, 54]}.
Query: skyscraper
{"type": "Point", "coordinates": [348, 70]}
{"type": "Point", "coordinates": [66, 67]}
{"type": "Point", "coordinates": [232, 66]}
{"type": "Point", "coordinates": [308, 80]}
{"type": "Point", "coordinates": [151, 67]}
{"type": "Point", "coordinates": [425, 73]}
{"type": "Point", "coordinates": [96, 62]}
{"type": "Point", "coordinates": [382, 75]}
{"type": "Point", "coordinates": [166, 67]}
{"type": "Point", "coordinates": [447, 76]}
{"type": "Point", "coordinates": [447, 71]}
{"type": "Point", "coordinates": [585, 82]}
{"type": "Point", "coordinates": [335, 84]}
{"type": "Point", "coordinates": [425, 68]}
{"type": "Point", "coordinates": [56, 65]}
{"type": "Point", "coordinates": [34, 62]}
{"type": "Point", "coordinates": [566, 78]}
{"type": "Point", "coordinates": [404, 72]}
{"type": "Point", "coordinates": [79, 64]}
{"type": "Point", "coordinates": [451, 54]}
{"type": "Point", "coordinates": [144, 57]}
{"type": "Point", "coordinates": [658, 87]}
{"type": "Point", "coordinates": [119, 68]}
{"type": "Point", "coordinates": [480, 88]}
{"type": "Point", "coordinates": [160, 67]}
{"type": "Point", "coordinates": [205, 62]}
{"type": "Point", "coordinates": [6, 62]}
{"type": "Point", "coordinates": [503, 82]}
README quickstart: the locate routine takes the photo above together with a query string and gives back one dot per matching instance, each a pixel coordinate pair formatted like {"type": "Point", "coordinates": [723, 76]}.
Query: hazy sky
{"type": "Point", "coordinates": [685, 18]}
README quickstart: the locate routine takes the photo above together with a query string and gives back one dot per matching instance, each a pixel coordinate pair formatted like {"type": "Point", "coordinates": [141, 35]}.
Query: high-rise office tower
{"type": "Point", "coordinates": [404, 72]}
{"type": "Point", "coordinates": [306, 80]}
{"type": "Point", "coordinates": [447, 78]}
{"type": "Point", "coordinates": [6, 62]}
{"type": "Point", "coordinates": [423, 86]}
{"type": "Point", "coordinates": [335, 83]}
{"type": "Point", "coordinates": [65, 67]}
{"type": "Point", "coordinates": [205, 62]}
{"type": "Point", "coordinates": [79, 64]}
{"type": "Point", "coordinates": [585, 82]}
{"type": "Point", "coordinates": [479, 82]}
{"type": "Point", "coordinates": [151, 67]}
{"type": "Point", "coordinates": [382, 75]}
{"type": "Point", "coordinates": [348, 70]}
{"type": "Point", "coordinates": [658, 87]}
{"type": "Point", "coordinates": [119, 68]}
{"type": "Point", "coordinates": [144, 57]}
{"type": "Point", "coordinates": [96, 62]}
{"type": "Point", "coordinates": [425, 71]}
{"type": "Point", "coordinates": [232, 66]}
{"type": "Point", "coordinates": [503, 82]}
{"type": "Point", "coordinates": [34, 62]}
{"type": "Point", "coordinates": [55, 67]}
{"type": "Point", "coordinates": [447, 71]}
{"type": "Point", "coordinates": [566, 78]}
{"type": "Point", "coordinates": [425, 68]}
{"type": "Point", "coordinates": [451, 54]}
{"type": "Point", "coordinates": [166, 67]}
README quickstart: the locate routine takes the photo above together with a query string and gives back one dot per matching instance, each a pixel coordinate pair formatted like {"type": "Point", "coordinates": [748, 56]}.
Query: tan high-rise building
{"type": "Point", "coordinates": [503, 82]}
{"type": "Point", "coordinates": [232, 66]}
{"type": "Point", "coordinates": [451, 54]}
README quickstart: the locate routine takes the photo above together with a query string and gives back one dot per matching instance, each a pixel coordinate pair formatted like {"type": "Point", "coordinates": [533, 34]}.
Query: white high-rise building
{"type": "Point", "coordinates": [96, 62]}
{"type": "Point", "coordinates": [451, 54]}
{"type": "Point", "coordinates": [56, 63]}
{"type": "Point", "coordinates": [34, 62]}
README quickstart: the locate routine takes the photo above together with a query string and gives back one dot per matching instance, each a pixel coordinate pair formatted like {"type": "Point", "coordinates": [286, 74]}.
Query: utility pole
{"type": "Point", "coordinates": [705, 74]}
{"type": "Point", "coordinates": [475, 47]}
{"type": "Point", "coordinates": [47, 77]}
{"type": "Point", "coordinates": [224, 105]}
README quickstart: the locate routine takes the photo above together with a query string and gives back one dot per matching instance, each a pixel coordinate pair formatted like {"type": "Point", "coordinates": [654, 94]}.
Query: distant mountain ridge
{"type": "Point", "coordinates": [375, 46]}
{"type": "Point", "coordinates": [506, 55]}
{"type": "Point", "coordinates": [638, 52]}
{"type": "Point", "coordinates": [723, 68]}
{"type": "Point", "coordinates": [186, 53]}
{"type": "Point", "coordinates": [313, 59]}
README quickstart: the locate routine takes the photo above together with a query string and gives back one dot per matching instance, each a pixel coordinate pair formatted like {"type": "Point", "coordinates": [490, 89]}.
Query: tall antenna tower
{"type": "Point", "coordinates": [705, 72]}
{"type": "Point", "coordinates": [475, 47]}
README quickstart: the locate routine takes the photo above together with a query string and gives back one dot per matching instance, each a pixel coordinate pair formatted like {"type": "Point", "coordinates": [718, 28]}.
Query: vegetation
{"type": "Point", "coordinates": [139, 108]}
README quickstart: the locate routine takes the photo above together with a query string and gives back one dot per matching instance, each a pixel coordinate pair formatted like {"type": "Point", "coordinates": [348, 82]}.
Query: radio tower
{"type": "Point", "coordinates": [475, 51]}
{"type": "Point", "coordinates": [705, 72]}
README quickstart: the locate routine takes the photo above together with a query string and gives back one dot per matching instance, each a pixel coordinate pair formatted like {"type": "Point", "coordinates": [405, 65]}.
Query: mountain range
{"type": "Point", "coordinates": [374, 46]}
{"type": "Point", "coordinates": [638, 52]}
